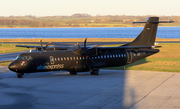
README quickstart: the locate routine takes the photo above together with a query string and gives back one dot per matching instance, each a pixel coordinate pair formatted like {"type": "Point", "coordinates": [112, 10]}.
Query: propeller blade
{"type": "Point", "coordinates": [47, 45]}
{"type": "Point", "coordinates": [41, 43]}
{"type": "Point", "coordinates": [78, 46]}
{"type": "Point", "coordinates": [85, 44]}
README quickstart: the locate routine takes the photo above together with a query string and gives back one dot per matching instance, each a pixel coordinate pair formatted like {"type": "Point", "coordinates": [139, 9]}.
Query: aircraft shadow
{"type": "Point", "coordinates": [142, 61]}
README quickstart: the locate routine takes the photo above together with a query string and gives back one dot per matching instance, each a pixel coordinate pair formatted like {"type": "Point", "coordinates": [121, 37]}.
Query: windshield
{"type": "Point", "coordinates": [24, 57]}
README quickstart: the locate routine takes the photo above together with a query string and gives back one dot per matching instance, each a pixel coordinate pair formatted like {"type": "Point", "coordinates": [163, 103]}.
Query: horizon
{"type": "Point", "coordinates": [92, 15]}
{"type": "Point", "coordinates": [43, 8]}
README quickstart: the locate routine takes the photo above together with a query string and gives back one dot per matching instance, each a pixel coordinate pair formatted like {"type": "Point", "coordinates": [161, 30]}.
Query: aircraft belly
{"type": "Point", "coordinates": [111, 62]}
{"type": "Point", "coordinates": [117, 62]}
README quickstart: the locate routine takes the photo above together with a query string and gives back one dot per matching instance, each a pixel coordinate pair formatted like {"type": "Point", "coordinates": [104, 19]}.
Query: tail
{"type": "Point", "coordinates": [148, 35]}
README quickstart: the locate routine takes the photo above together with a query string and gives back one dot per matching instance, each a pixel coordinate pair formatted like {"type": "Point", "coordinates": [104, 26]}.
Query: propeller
{"type": "Point", "coordinates": [42, 49]}
{"type": "Point", "coordinates": [84, 51]}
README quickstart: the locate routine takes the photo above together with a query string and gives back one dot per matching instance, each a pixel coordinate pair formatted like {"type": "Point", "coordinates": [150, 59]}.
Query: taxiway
{"type": "Point", "coordinates": [112, 89]}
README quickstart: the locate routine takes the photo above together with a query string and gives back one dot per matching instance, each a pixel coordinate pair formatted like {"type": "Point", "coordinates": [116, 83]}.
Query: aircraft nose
{"type": "Point", "coordinates": [12, 67]}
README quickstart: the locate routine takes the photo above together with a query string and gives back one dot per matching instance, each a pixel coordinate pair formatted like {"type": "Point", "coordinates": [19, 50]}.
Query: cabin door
{"type": "Point", "coordinates": [129, 56]}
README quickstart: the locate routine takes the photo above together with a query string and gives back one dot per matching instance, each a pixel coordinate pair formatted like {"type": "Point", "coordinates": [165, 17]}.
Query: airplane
{"type": "Point", "coordinates": [81, 59]}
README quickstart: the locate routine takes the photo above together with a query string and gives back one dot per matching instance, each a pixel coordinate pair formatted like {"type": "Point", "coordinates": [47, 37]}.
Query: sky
{"type": "Point", "coordinates": [93, 7]}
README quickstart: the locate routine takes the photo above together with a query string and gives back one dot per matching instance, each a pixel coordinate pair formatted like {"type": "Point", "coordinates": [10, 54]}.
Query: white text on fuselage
{"type": "Point", "coordinates": [50, 67]}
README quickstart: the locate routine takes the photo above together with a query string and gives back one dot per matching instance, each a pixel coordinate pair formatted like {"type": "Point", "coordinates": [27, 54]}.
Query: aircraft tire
{"type": "Point", "coordinates": [73, 73]}
{"type": "Point", "coordinates": [20, 75]}
{"type": "Point", "coordinates": [95, 72]}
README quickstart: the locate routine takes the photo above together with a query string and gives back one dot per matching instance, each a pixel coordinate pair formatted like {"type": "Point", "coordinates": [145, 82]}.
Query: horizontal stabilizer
{"type": "Point", "coordinates": [156, 22]}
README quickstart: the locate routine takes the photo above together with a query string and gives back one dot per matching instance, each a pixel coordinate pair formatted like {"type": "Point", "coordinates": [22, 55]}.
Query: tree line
{"type": "Point", "coordinates": [77, 20]}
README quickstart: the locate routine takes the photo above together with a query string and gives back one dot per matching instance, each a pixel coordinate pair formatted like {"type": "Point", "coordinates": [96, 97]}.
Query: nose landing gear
{"type": "Point", "coordinates": [20, 75]}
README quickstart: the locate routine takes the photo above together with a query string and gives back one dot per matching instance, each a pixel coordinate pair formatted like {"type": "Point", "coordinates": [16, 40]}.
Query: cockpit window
{"type": "Point", "coordinates": [24, 57]}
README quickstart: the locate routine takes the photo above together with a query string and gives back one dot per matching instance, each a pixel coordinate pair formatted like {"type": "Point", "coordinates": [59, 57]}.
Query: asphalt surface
{"type": "Point", "coordinates": [112, 89]}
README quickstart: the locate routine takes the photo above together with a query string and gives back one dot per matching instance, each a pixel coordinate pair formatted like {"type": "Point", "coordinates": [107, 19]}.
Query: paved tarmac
{"type": "Point", "coordinates": [112, 89]}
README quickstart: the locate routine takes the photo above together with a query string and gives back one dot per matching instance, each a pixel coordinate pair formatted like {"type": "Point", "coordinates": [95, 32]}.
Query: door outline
{"type": "Point", "coordinates": [129, 56]}
{"type": "Point", "coordinates": [51, 59]}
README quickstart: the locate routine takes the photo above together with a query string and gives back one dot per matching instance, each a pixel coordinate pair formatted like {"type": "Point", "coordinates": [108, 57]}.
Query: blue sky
{"type": "Point", "coordinates": [92, 7]}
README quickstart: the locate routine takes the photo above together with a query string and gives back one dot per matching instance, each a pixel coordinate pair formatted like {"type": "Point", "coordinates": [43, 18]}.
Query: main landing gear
{"type": "Point", "coordinates": [95, 72]}
{"type": "Point", "coordinates": [73, 72]}
{"type": "Point", "coordinates": [20, 75]}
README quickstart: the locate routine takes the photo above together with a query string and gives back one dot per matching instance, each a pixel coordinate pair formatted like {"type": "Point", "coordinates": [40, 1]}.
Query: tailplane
{"type": "Point", "coordinates": [148, 35]}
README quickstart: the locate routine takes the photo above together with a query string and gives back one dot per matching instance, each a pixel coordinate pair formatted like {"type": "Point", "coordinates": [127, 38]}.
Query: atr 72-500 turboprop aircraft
{"type": "Point", "coordinates": [80, 59]}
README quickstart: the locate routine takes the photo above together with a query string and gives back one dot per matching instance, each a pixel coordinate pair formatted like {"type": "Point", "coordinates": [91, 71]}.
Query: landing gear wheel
{"type": "Point", "coordinates": [20, 75]}
{"type": "Point", "coordinates": [95, 72]}
{"type": "Point", "coordinates": [72, 72]}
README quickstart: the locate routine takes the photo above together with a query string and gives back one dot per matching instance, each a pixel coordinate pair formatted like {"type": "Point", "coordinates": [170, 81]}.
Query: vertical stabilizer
{"type": "Point", "coordinates": [148, 35]}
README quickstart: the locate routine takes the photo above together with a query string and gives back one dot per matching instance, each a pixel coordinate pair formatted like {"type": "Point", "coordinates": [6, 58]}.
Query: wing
{"type": "Point", "coordinates": [49, 48]}
{"type": "Point", "coordinates": [28, 46]}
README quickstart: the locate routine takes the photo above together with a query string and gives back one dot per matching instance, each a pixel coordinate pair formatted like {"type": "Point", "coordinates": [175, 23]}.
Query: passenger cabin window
{"type": "Point", "coordinates": [113, 56]}
{"type": "Point", "coordinates": [98, 57]}
{"type": "Point", "coordinates": [95, 57]}
{"type": "Point", "coordinates": [65, 58]}
{"type": "Point", "coordinates": [74, 58]}
{"type": "Point", "coordinates": [70, 58]}
{"type": "Point", "coordinates": [58, 59]}
{"type": "Point", "coordinates": [101, 56]}
{"type": "Point", "coordinates": [121, 55]}
{"type": "Point", "coordinates": [110, 56]}
{"type": "Point", "coordinates": [61, 59]}
{"type": "Point", "coordinates": [124, 55]}
{"type": "Point", "coordinates": [92, 57]}
{"type": "Point", "coordinates": [80, 58]}
{"type": "Point", "coordinates": [107, 56]}
{"type": "Point", "coordinates": [104, 56]}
